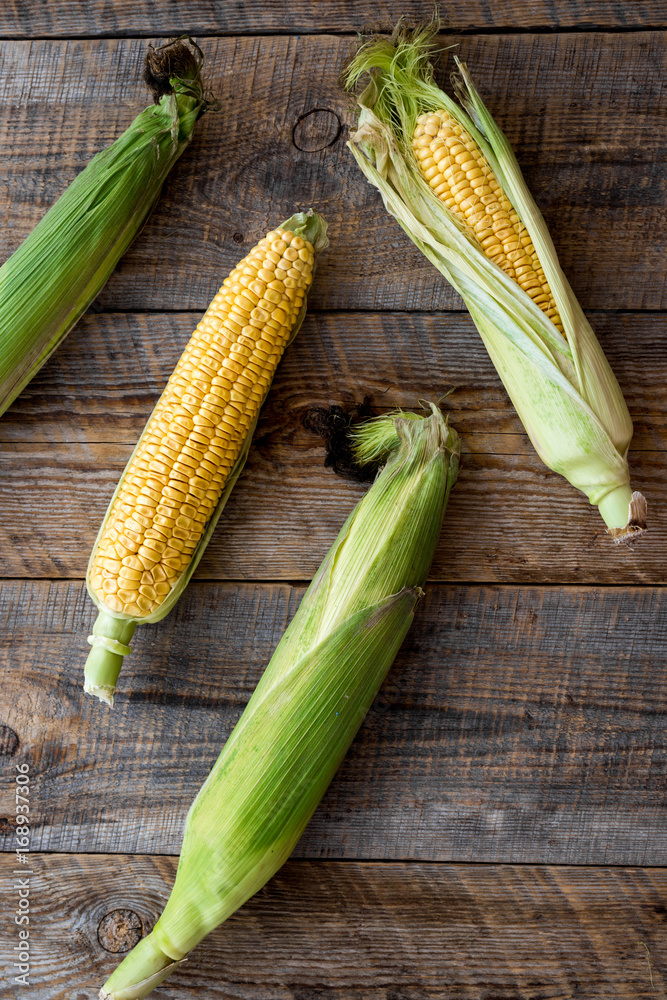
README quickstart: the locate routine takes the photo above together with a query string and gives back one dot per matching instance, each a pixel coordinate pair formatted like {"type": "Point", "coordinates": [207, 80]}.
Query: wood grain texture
{"type": "Point", "coordinates": [582, 110]}
{"type": "Point", "coordinates": [146, 17]}
{"type": "Point", "coordinates": [522, 729]}
{"type": "Point", "coordinates": [65, 441]}
{"type": "Point", "coordinates": [366, 931]}
{"type": "Point", "coordinates": [517, 725]}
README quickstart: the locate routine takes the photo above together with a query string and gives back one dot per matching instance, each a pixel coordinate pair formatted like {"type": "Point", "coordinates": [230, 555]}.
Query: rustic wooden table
{"type": "Point", "coordinates": [497, 830]}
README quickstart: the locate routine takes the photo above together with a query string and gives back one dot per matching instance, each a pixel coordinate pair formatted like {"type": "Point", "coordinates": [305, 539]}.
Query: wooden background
{"type": "Point", "coordinates": [498, 829]}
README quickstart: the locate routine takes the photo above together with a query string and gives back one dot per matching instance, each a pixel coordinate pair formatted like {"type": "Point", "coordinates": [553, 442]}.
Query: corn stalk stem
{"type": "Point", "coordinates": [110, 643]}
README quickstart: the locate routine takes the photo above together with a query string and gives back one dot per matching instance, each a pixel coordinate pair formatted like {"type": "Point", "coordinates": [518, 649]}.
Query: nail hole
{"type": "Point", "coordinates": [119, 931]}
{"type": "Point", "coordinates": [316, 129]}
{"type": "Point", "coordinates": [238, 237]}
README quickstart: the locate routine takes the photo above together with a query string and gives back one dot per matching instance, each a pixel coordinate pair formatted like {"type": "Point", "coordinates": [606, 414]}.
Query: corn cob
{"type": "Point", "coordinates": [50, 281]}
{"type": "Point", "coordinates": [312, 698]}
{"type": "Point", "coordinates": [195, 443]}
{"type": "Point", "coordinates": [461, 176]}
{"type": "Point", "coordinates": [450, 178]}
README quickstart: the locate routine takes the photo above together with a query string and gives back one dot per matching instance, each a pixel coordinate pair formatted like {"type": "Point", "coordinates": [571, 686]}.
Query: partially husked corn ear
{"type": "Point", "coordinates": [450, 178]}
{"type": "Point", "coordinates": [461, 176]}
{"type": "Point", "coordinates": [312, 698]}
{"type": "Point", "coordinates": [199, 431]}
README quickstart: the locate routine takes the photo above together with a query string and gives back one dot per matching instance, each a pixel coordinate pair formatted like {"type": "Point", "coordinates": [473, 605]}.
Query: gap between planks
{"type": "Point", "coordinates": [370, 861]}
{"type": "Point", "coordinates": [535, 29]}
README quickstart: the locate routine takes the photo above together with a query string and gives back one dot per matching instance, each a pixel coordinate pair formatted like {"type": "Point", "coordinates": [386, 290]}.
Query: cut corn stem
{"type": "Point", "coordinates": [110, 641]}
{"type": "Point", "coordinates": [450, 178]}
{"type": "Point", "coordinates": [312, 698]}
{"type": "Point", "coordinates": [624, 512]}
{"type": "Point", "coordinates": [196, 441]}
{"type": "Point", "coordinates": [50, 281]}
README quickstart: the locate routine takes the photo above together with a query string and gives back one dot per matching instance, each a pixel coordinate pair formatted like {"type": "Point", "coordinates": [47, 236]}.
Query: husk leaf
{"type": "Point", "coordinates": [55, 274]}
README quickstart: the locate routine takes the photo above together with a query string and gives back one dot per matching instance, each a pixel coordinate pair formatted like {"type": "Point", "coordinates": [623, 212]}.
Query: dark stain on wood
{"type": "Point", "coordinates": [9, 741]}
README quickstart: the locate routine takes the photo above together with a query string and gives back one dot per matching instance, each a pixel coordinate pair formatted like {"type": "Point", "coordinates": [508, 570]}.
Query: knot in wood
{"type": "Point", "coordinates": [387, 697]}
{"type": "Point", "coordinates": [316, 130]}
{"type": "Point", "coordinates": [119, 931]}
{"type": "Point", "coordinates": [9, 741]}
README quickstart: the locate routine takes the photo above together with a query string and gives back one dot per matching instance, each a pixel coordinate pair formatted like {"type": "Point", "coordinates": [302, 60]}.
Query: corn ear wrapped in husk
{"type": "Point", "coordinates": [555, 372]}
{"type": "Point", "coordinates": [312, 698]}
{"type": "Point", "coordinates": [50, 281]}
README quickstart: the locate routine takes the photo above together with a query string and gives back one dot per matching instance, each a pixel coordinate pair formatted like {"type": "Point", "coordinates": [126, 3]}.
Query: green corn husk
{"type": "Point", "coordinates": [562, 386]}
{"type": "Point", "coordinates": [55, 274]}
{"type": "Point", "coordinates": [113, 631]}
{"type": "Point", "coordinates": [312, 698]}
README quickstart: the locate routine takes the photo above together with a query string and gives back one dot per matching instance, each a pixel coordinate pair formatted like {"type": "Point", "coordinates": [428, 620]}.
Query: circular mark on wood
{"type": "Point", "coordinates": [119, 931]}
{"type": "Point", "coordinates": [238, 237]}
{"type": "Point", "coordinates": [9, 741]}
{"type": "Point", "coordinates": [386, 698]}
{"type": "Point", "coordinates": [317, 129]}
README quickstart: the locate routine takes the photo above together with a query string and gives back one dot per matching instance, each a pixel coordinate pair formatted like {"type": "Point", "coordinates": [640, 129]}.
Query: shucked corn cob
{"type": "Point", "coordinates": [451, 180]}
{"type": "Point", "coordinates": [195, 443]}
{"type": "Point", "coordinates": [52, 278]}
{"type": "Point", "coordinates": [306, 710]}
{"type": "Point", "coordinates": [194, 436]}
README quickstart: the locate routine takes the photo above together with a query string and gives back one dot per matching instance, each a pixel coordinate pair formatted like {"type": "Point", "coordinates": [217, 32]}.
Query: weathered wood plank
{"type": "Point", "coordinates": [363, 931]}
{"type": "Point", "coordinates": [66, 440]}
{"type": "Point", "coordinates": [76, 17]}
{"type": "Point", "coordinates": [517, 725]}
{"type": "Point", "coordinates": [589, 138]}
{"type": "Point", "coordinates": [508, 519]}
{"type": "Point", "coordinates": [105, 378]}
